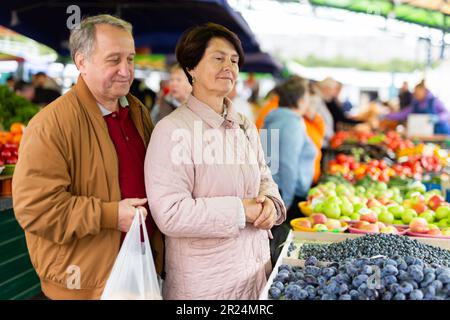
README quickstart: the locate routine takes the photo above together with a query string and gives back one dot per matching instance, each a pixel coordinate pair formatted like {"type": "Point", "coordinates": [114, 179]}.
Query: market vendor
{"type": "Point", "coordinates": [424, 102]}
{"type": "Point", "coordinates": [80, 175]}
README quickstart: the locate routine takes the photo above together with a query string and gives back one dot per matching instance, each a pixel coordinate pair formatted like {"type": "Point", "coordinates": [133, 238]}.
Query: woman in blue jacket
{"type": "Point", "coordinates": [292, 163]}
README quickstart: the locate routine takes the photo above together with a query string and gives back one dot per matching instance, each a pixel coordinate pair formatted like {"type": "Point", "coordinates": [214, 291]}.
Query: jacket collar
{"type": "Point", "coordinates": [88, 102]}
{"type": "Point", "coordinates": [214, 120]}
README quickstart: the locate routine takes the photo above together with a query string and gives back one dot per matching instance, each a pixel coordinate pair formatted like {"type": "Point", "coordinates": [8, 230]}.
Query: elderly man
{"type": "Point", "coordinates": [80, 177]}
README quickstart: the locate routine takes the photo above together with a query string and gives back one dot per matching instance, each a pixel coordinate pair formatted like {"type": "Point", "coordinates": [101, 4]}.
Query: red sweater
{"type": "Point", "coordinates": [130, 150]}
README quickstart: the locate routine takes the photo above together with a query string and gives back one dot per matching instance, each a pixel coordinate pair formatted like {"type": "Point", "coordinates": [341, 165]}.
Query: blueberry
{"type": "Point", "coordinates": [440, 270]}
{"type": "Point", "coordinates": [391, 262]}
{"type": "Point", "coordinates": [394, 288]}
{"type": "Point", "coordinates": [328, 272]}
{"type": "Point", "coordinates": [300, 283]}
{"type": "Point", "coordinates": [328, 297]}
{"type": "Point", "coordinates": [299, 275]}
{"type": "Point", "coordinates": [343, 289]}
{"type": "Point", "coordinates": [301, 295]}
{"type": "Point", "coordinates": [321, 280]}
{"type": "Point", "coordinates": [311, 270]}
{"type": "Point", "coordinates": [428, 279]}
{"type": "Point", "coordinates": [410, 260]}
{"type": "Point", "coordinates": [444, 277]}
{"type": "Point", "coordinates": [362, 288]}
{"type": "Point", "coordinates": [342, 278]}
{"type": "Point", "coordinates": [284, 267]}
{"type": "Point", "coordinates": [367, 269]}
{"type": "Point", "coordinates": [399, 296]}
{"type": "Point", "coordinates": [332, 288]}
{"type": "Point", "coordinates": [403, 275]}
{"type": "Point", "coordinates": [274, 293]}
{"type": "Point", "coordinates": [278, 285]}
{"type": "Point", "coordinates": [415, 273]}
{"type": "Point", "coordinates": [310, 279]}
{"type": "Point", "coordinates": [390, 280]}
{"type": "Point", "coordinates": [402, 266]}
{"type": "Point", "coordinates": [358, 280]}
{"type": "Point", "coordinates": [406, 287]}
{"type": "Point", "coordinates": [354, 294]}
{"type": "Point", "coordinates": [416, 295]}
{"type": "Point", "coordinates": [437, 285]}
{"type": "Point", "coordinates": [282, 277]}
{"type": "Point", "coordinates": [345, 297]}
{"type": "Point", "coordinates": [292, 291]}
{"type": "Point", "coordinates": [387, 295]}
{"type": "Point", "coordinates": [311, 292]}
{"type": "Point", "coordinates": [390, 270]}
{"type": "Point", "coordinates": [311, 261]}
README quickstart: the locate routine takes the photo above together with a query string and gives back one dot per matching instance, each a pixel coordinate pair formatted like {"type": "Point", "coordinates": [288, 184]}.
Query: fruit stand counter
{"type": "Point", "coordinates": [18, 280]}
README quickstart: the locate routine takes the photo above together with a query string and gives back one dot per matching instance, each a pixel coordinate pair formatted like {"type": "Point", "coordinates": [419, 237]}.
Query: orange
{"type": "Point", "coordinates": [17, 128]}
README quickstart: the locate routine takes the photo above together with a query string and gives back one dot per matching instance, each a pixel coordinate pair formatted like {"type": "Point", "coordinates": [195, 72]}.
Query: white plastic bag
{"type": "Point", "coordinates": [133, 276]}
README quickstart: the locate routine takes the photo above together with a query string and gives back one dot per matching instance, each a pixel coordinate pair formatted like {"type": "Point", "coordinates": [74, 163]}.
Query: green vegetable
{"type": "Point", "coordinates": [14, 108]}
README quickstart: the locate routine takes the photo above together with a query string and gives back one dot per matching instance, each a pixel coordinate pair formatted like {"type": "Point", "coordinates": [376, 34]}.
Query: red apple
{"type": "Point", "coordinates": [360, 224]}
{"type": "Point", "coordinates": [333, 224]}
{"type": "Point", "coordinates": [319, 218]}
{"type": "Point", "coordinates": [5, 154]}
{"type": "Point", "coordinates": [370, 217]}
{"type": "Point", "coordinates": [305, 223]}
{"type": "Point", "coordinates": [373, 203]}
{"type": "Point", "coordinates": [381, 225]}
{"type": "Point", "coordinates": [435, 202]}
{"type": "Point", "coordinates": [370, 228]}
{"type": "Point", "coordinates": [435, 231]}
{"type": "Point", "coordinates": [419, 225]}
{"type": "Point", "coordinates": [419, 207]}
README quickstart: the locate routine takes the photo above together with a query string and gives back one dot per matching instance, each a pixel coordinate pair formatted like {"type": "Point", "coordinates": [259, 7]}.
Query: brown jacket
{"type": "Point", "coordinates": [66, 194]}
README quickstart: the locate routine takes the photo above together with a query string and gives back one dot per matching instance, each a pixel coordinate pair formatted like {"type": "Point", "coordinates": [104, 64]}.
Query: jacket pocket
{"type": "Point", "coordinates": [209, 243]}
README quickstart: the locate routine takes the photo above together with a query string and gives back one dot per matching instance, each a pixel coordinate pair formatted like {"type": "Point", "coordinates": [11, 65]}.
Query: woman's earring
{"type": "Point", "coordinates": [193, 80]}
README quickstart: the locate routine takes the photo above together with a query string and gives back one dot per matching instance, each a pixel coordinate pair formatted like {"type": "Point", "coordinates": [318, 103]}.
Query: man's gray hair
{"type": "Point", "coordinates": [82, 37]}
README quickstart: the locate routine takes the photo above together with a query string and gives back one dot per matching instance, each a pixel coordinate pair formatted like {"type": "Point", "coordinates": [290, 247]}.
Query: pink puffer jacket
{"type": "Point", "coordinates": [196, 203]}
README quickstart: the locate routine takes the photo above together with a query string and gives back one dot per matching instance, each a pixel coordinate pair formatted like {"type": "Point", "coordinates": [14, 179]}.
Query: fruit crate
{"type": "Point", "coordinates": [324, 238]}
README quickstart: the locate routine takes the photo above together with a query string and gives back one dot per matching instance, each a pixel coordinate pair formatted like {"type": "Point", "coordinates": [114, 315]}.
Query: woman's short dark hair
{"type": "Point", "coordinates": [193, 43]}
{"type": "Point", "coordinates": [291, 91]}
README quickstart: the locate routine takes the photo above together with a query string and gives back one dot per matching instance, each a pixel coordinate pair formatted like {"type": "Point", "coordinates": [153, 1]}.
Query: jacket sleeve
{"type": "Point", "coordinates": [268, 187]}
{"type": "Point", "coordinates": [43, 204]}
{"type": "Point", "coordinates": [442, 111]}
{"type": "Point", "coordinates": [169, 181]}
{"type": "Point", "coordinates": [401, 115]}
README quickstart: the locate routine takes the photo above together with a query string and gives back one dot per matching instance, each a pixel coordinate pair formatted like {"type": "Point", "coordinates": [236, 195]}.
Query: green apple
{"type": "Point", "coordinates": [332, 210]}
{"type": "Point", "coordinates": [318, 208]}
{"type": "Point", "coordinates": [360, 190]}
{"type": "Point", "coordinates": [408, 215]}
{"type": "Point", "coordinates": [446, 232]}
{"type": "Point", "coordinates": [442, 212]}
{"type": "Point", "coordinates": [320, 228]}
{"type": "Point", "coordinates": [358, 206]}
{"type": "Point", "coordinates": [355, 217]}
{"type": "Point", "coordinates": [399, 222]}
{"type": "Point", "coordinates": [444, 223]}
{"type": "Point", "coordinates": [397, 198]}
{"type": "Point", "coordinates": [377, 210]}
{"type": "Point", "coordinates": [345, 218]}
{"type": "Point", "coordinates": [396, 210]}
{"type": "Point", "coordinates": [386, 217]}
{"type": "Point", "coordinates": [427, 215]}
{"type": "Point", "coordinates": [346, 207]}
{"type": "Point", "coordinates": [342, 190]}
{"type": "Point", "coordinates": [381, 186]}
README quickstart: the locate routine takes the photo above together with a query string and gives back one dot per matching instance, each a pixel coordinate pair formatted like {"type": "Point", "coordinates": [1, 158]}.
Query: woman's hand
{"type": "Point", "coordinates": [252, 209]}
{"type": "Point", "coordinates": [268, 215]}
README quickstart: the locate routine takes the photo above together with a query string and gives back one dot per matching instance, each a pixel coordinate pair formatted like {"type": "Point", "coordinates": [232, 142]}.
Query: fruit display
{"type": "Point", "coordinates": [415, 166]}
{"type": "Point", "coordinates": [380, 278]}
{"type": "Point", "coordinates": [9, 144]}
{"type": "Point", "coordinates": [318, 222]}
{"type": "Point", "coordinates": [391, 140]}
{"type": "Point", "coordinates": [371, 245]}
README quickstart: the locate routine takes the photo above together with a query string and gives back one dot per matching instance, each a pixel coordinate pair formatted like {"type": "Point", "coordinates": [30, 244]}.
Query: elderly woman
{"type": "Point", "coordinates": [209, 188]}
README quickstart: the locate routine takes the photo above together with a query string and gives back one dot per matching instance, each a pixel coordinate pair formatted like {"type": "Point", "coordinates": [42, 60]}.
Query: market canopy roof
{"type": "Point", "coordinates": [429, 13]}
{"type": "Point", "coordinates": [157, 24]}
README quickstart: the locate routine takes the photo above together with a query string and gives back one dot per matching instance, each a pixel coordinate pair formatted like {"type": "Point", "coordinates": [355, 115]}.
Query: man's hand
{"type": "Point", "coordinates": [252, 209]}
{"type": "Point", "coordinates": [268, 215]}
{"type": "Point", "coordinates": [127, 210]}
